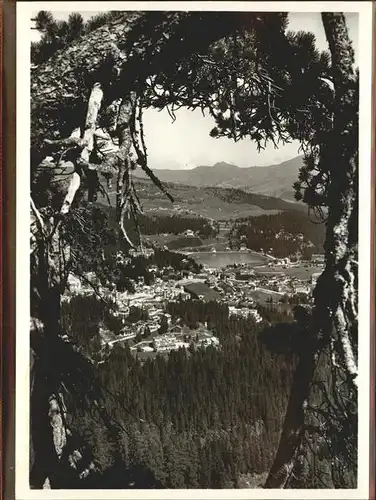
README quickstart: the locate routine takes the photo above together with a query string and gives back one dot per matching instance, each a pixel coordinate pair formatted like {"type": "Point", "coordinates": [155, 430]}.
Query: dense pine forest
{"type": "Point", "coordinates": [235, 196]}
{"type": "Point", "coordinates": [196, 418]}
{"type": "Point", "coordinates": [279, 234]}
{"type": "Point", "coordinates": [169, 224]}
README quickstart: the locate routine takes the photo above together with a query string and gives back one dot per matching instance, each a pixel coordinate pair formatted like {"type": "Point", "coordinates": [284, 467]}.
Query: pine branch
{"type": "Point", "coordinates": [69, 141]}
{"type": "Point", "coordinates": [156, 181]}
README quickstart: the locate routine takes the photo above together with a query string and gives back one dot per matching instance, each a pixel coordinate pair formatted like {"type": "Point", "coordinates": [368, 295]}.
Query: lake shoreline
{"type": "Point", "coordinates": [221, 259]}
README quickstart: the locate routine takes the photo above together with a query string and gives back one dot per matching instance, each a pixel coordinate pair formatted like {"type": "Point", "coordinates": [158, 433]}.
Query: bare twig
{"type": "Point", "coordinates": [37, 215]}
{"type": "Point", "coordinates": [72, 190]}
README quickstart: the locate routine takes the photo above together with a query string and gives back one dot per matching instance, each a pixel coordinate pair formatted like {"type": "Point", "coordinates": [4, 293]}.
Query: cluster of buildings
{"type": "Point", "coordinates": [168, 342]}
{"type": "Point", "coordinates": [143, 252]}
{"type": "Point", "coordinates": [177, 209]}
{"type": "Point", "coordinates": [238, 286]}
{"type": "Point", "coordinates": [318, 258]}
{"type": "Point", "coordinates": [284, 235]}
{"type": "Point", "coordinates": [176, 338]}
{"type": "Point", "coordinates": [245, 312]}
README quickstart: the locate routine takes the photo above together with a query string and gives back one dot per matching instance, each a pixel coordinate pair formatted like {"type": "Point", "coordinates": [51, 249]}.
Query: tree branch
{"type": "Point", "coordinates": [95, 102]}
{"type": "Point", "coordinates": [87, 142]}
{"type": "Point", "coordinates": [72, 190]}
{"type": "Point", "coordinates": [37, 214]}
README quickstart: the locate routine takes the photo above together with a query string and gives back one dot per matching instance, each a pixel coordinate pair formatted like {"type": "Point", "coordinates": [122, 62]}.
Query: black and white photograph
{"type": "Point", "coordinates": [195, 237]}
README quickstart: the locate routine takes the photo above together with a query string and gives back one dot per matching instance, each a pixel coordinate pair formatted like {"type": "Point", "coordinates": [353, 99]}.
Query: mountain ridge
{"type": "Point", "coordinates": [272, 180]}
{"type": "Point", "coordinates": [214, 202]}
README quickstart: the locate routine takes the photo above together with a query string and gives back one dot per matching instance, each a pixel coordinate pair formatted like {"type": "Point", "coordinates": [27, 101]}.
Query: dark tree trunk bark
{"type": "Point", "coordinates": [342, 236]}
{"type": "Point", "coordinates": [335, 294]}
{"type": "Point", "coordinates": [48, 427]}
{"type": "Point", "coordinates": [291, 436]}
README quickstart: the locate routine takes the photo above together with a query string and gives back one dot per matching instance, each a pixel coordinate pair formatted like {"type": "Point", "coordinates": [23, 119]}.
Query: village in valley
{"type": "Point", "coordinates": [145, 325]}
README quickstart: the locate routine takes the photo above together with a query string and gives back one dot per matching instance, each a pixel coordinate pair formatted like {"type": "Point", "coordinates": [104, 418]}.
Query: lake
{"type": "Point", "coordinates": [223, 259]}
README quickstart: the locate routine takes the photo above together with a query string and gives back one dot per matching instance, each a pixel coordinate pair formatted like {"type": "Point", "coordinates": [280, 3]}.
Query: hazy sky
{"type": "Point", "coordinates": [186, 142]}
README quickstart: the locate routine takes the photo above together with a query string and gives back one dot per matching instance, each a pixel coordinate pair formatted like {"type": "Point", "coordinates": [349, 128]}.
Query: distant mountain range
{"type": "Point", "coordinates": [273, 180]}
{"type": "Point", "coordinates": [217, 203]}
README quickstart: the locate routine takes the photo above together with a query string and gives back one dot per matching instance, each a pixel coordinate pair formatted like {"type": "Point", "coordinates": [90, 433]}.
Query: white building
{"type": "Point", "coordinates": [168, 318]}
{"type": "Point", "coordinates": [314, 278]}
{"type": "Point", "coordinates": [245, 312]}
{"type": "Point", "coordinates": [255, 315]}
{"type": "Point", "coordinates": [214, 341]}
{"type": "Point", "coordinates": [74, 283]}
{"type": "Point", "coordinates": [146, 348]}
{"type": "Point", "coordinates": [148, 252]}
{"type": "Point", "coordinates": [164, 342]}
{"type": "Point", "coordinates": [318, 258]}
{"type": "Point", "coordinates": [168, 343]}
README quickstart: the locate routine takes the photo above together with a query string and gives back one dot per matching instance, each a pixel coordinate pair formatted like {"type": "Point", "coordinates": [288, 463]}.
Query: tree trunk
{"type": "Point", "coordinates": [291, 436]}
{"type": "Point", "coordinates": [342, 239]}
{"type": "Point", "coordinates": [47, 409]}
{"type": "Point", "coordinates": [335, 294]}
